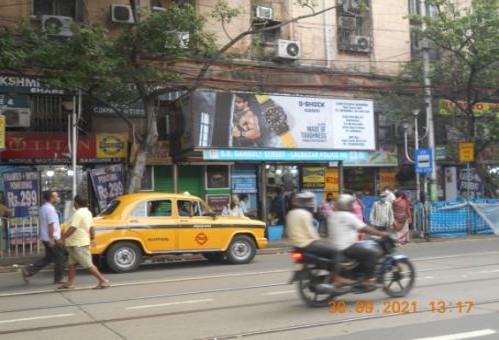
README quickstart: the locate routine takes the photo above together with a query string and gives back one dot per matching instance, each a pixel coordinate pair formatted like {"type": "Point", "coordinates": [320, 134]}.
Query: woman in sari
{"type": "Point", "coordinates": [402, 217]}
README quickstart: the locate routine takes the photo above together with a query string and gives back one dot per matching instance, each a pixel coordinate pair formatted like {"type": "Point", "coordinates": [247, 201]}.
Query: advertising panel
{"type": "Point", "coordinates": [217, 203]}
{"type": "Point", "coordinates": [108, 183]}
{"type": "Point", "coordinates": [313, 177]}
{"type": "Point", "coordinates": [22, 192]}
{"type": "Point", "coordinates": [249, 121]}
{"type": "Point", "coordinates": [472, 181]}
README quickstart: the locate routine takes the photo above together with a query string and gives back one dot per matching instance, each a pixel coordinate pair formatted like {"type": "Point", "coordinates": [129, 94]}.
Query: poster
{"type": "Point", "coordinates": [108, 183]}
{"type": "Point", "coordinates": [332, 180]}
{"type": "Point", "coordinates": [249, 121]}
{"type": "Point", "coordinates": [474, 183]}
{"type": "Point", "coordinates": [22, 192]}
{"type": "Point", "coordinates": [217, 177]}
{"type": "Point", "coordinates": [217, 203]}
{"type": "Point", "coordinates": [313, 177]}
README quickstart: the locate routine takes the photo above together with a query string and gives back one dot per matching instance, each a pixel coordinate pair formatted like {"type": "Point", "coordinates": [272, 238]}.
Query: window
{"type": "Point", "coordinates": [204, 129]}
{"type": "Point", "coordinates": [192, 208]}
{"type": "Point", "coordinates": [67, 8]}
{"type": "Point", "coordinates": [147, 183]}
{"type": "Point", "coordinates": [354, 26]}
{"type": "Point", "coordinates": [161, 208]}
{"type": "Point", "coordinates": [140, 210]}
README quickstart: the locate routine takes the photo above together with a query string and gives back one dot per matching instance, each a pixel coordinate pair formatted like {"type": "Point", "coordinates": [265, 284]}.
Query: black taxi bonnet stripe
{"type": "Point", "coordinates": [183, 226]}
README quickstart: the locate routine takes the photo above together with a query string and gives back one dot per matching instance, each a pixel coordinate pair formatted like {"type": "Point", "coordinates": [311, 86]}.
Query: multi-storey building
{"type": "Point", "coordinates": [351, 52]}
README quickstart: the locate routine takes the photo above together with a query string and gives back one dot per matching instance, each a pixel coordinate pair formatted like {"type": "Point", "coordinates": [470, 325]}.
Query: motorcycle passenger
{"type": "Point", "coordinates": [343, 228]}
{"type": "Point", "coordinates": [301, 234]}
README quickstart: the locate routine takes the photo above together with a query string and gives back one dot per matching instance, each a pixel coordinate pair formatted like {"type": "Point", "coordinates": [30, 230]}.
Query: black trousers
{"type": "Point", "coordinates": [324, 249]}
{"type": "Point", "coordinates": [367, 257]}
{"type": "Point", "coordinates": [54, 255]}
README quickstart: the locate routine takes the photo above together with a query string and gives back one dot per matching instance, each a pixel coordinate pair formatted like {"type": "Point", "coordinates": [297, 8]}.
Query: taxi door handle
{"type": "Point", "coordinates": [184, 221]}
{"type": "Point", "coordinates": [134, 221]}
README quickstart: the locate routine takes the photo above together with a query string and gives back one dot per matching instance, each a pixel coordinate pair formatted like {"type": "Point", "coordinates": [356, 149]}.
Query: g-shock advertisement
{"type": "Point", "coordinates": [252, 121]}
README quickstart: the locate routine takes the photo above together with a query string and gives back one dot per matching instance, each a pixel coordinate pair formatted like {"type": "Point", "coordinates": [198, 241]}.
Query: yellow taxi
{"type": "Point", "coordinates": [146, 224]}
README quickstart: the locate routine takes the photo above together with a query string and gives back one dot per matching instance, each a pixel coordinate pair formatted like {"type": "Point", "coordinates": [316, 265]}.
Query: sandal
{"type": "Point", "coordinates": [103, 285]}
{"type": "Point", "coordinates": [65, 287]}
{"type": "Point", "coordinates": [25, 275]}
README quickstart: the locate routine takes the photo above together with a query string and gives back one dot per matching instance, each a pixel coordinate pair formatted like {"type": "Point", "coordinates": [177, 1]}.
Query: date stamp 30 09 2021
{"type": "Point", "coordinates": [400, 307]}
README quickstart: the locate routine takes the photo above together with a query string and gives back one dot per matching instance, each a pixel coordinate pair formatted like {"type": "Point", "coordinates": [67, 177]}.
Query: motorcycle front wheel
{"type": "Point", "coordinates": [309, 278]}
{"type": "Point", "coordinates": [399, 279]}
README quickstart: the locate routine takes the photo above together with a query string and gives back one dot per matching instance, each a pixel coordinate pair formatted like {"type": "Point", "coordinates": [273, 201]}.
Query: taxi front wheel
{"type": "Point", "coordinates": [123, 257]}
{"type": "Point", "coordinates": [242, 250]}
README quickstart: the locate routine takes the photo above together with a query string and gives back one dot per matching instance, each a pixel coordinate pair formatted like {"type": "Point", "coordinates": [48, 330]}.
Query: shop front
{"type": "Point", "coordinates": [47, 155]}
{"type": "Point", "coordinates": [278, 144]}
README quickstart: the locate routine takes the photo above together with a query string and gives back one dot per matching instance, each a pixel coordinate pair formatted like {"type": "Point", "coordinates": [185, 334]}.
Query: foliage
{"type": "Point", "coordinates": [468, 72]}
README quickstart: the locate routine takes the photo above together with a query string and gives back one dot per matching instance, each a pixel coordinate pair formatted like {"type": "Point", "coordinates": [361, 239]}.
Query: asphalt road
{"type": "Point", "coordinates": [198, 300]}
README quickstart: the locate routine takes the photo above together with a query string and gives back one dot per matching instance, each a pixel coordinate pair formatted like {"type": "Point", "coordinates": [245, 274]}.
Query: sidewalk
{"type": "Point", "coordinates": [274, 247]}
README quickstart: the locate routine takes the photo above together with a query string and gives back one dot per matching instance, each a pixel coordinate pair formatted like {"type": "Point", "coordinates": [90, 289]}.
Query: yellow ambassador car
{"type": "Point", "coordinates": [145, 224]}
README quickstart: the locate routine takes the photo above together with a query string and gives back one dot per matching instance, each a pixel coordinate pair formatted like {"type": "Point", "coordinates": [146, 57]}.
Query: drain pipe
{"type": "Point", "coordinates": [327, 37]}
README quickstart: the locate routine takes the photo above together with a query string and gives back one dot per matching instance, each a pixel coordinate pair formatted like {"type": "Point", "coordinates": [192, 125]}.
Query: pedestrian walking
{"type": "Point", "coordinates": [402, 217]}
{"type": "Point", "coordinates": [381, 213]}
{"type": "Point", "coordinates": [50, 234]}
{"type": "Point", "coordinates": [77, 238]}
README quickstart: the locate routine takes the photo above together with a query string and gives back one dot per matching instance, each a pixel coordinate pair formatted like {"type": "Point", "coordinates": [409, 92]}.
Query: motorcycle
{"type": "Point", "coordinates": [394, 273]}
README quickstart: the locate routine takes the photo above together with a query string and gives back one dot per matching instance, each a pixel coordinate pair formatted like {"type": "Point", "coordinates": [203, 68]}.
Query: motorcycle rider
{"type": "Point", "coordinates": [302, 234]}
{"type": "Point", "coordinates": [343, 229]}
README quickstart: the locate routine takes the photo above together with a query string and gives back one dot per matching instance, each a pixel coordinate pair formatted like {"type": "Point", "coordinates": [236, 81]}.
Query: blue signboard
{"type": "Point", "coordinates": [22, 192]}
{"type": "Point", "coordinates": [423, 161]}
{"type": "Point", "coordinates": [283, 155]}
{"type": "Point", "coordinates": [108, 183]}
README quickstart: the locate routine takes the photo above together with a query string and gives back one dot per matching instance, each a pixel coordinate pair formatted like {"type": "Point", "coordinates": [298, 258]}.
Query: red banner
{"type": "Point", "coordinates": [23, 145]}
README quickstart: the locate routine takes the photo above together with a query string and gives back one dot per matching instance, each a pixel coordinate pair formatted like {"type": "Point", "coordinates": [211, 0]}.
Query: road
{"type": "Point", "coordinates": [199, 300]}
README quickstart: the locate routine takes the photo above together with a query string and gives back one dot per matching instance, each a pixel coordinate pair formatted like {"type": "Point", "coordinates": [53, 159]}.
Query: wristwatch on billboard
{"type": "Point", "coordinates": [277, 120]}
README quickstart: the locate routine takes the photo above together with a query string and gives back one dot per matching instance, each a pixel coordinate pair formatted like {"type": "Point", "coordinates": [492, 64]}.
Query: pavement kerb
{"type": "Point", "coordinates": [13, 264]}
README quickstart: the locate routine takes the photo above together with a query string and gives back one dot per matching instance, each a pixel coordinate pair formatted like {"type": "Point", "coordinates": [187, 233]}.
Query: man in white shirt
{"type": "Point", "coordinates": [301, 234]}
{"type": "Point", "coordinates": [343, 229]}
{"type": "Point", "coordinates": [50, 233]}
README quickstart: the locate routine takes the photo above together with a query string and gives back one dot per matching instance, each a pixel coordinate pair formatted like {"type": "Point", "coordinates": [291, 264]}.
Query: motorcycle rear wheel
{"type": "Point", "coordinates": [400, 279]}
{"type": "Point", "coordinates": [308, 279]}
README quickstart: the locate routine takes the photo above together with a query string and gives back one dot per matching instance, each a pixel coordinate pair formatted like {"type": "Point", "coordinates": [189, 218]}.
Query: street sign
{"type": "Point", "coordinates": [466, 152]}
{"type": "Point", "coordinates": [424, 160]}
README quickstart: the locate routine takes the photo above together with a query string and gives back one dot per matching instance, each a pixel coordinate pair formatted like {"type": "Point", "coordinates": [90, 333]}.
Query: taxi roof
{"type": "Point", "coordinates": [152, 195]}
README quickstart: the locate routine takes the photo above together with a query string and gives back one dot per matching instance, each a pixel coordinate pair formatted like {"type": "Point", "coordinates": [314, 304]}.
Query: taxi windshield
{"type": "Point", "coordinates": [110, 208]}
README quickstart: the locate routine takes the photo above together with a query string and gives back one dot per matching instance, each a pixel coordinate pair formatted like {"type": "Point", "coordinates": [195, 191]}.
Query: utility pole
{"type": "Point", "coordinates": [416, 146]}
{"type": "Point", "coordinates": [428, 103]}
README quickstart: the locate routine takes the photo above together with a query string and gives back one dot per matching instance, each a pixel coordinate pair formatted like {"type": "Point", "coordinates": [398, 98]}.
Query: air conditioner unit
{"type": "Point", "coordinates": [122, 14]}
{"type": "Point", "coordinates": [360, 43]}
{"type": "Point", "coordinates": [17, 117]}
{"type": "Point", "coordinates": [264, 13]}
{"type": "Point", "coordinates": [347, 23]}
{"type": "Point", "coordinates": [157, 9]}
{"type": "Point", "coordinates": [351, 5]}
{"type": "Point", "coordinates": [287, 49]}
{"type": "Point", "coordinates": [183, 39]}
{"type": "Point", "coordinates": [57, 25]}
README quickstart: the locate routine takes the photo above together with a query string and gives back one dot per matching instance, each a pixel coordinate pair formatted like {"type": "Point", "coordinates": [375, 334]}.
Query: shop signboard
{"type": "Point", "coordinates": [108, 183]}
{"type": "Point", "coordinates": [52, 148]}
{"type": "Point", "coordinates": [250, 121]}
{"type": "Point", "coordinates": [2, 132]}
{"type": "Point", "coordinates": [135, 109]}
{"type": "Point", "coordinates": [447, 107]}
{"type": "Point", "coordinates": [217, 203]}
{"type": "Point", "coordinates": [388, 178]}
{"type": "Point", "coordinates": [30, 85]}
{"type": "Point", "coordinates": [313, 177]}
{"type": "Point", "coordinates": [282, 155]}
{"type": "Point", "coordinates": [22, 192]}
{"type": "Point", "coordinates": [332, 180]}
{"type": "Point", "coordinates": [469, 179]}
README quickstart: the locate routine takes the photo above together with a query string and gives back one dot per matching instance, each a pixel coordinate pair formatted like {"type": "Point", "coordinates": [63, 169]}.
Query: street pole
{"type": "Point", "coordinates": [416, 145]}
{"type": "Point", "coordinates": [74, 147]}
{"type": "Point", "coordinates": [428, 104]}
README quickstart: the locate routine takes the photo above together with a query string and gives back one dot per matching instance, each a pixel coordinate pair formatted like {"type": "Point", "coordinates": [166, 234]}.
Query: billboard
{"type": "Point", "coordinates": [252, 121]}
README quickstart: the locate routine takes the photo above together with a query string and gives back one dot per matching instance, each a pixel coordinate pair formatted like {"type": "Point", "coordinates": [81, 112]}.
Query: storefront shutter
{"type": "Point", "coordinates": [191, 179]}
{"type": "Point", "coordinates": [163, 180]}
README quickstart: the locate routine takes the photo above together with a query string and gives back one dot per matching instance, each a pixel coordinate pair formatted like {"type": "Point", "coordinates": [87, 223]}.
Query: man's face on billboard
{"type": "Point", "coordinates": [241, 104]}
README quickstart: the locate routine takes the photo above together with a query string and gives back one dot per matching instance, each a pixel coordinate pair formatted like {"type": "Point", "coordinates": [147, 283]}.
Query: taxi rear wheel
{"type": "Point", "coordinates": [242, 250]}
{"type": "Point", "coordinates": [123, 257]}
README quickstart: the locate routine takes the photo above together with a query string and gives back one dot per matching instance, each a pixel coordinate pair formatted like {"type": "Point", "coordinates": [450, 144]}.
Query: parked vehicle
{"type": "Point", "coordinates": [395, 274]}
{"type": "Point", "coordinates": [148, 224]}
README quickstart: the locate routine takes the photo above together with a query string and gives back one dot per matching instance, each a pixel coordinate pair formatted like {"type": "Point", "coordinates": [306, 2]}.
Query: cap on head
{"type": "Point", "coordinates": [304, 199]}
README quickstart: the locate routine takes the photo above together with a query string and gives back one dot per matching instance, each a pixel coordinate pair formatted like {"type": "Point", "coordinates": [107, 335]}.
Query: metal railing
{"type": "Point", "coordinates": [19, 237]}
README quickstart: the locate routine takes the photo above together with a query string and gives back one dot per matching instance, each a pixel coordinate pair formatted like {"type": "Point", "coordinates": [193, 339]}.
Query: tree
{"type": "Point", "coordinates": [118, 70]}
{"type": "Point", "coordinates": [467, 73]}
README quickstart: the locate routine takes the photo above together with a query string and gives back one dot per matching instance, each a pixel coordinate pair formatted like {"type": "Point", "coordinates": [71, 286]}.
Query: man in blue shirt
{"type": "Point", "coordinates": [50, 234]}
